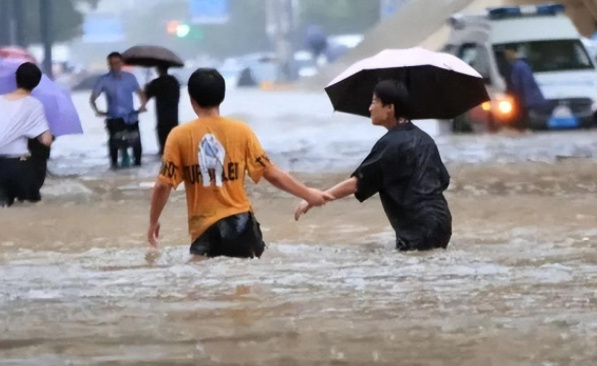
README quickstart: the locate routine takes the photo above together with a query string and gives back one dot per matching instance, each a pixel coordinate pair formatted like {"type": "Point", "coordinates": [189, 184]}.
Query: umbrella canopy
{"type": "Point", "coordinates": [58, 105]}
{"type": "Point", "coordinates": [441, 86]}
{"type": "Point", "coordinates": [14, 52]}
{"type": "Point", "coordinates": [150, 56]}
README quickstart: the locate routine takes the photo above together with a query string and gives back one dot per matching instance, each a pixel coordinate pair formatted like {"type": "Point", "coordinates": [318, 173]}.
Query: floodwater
{"type": "Point", "coordinates": [301, 133]}
{"type": "Point", "coordinates": [517, 286]}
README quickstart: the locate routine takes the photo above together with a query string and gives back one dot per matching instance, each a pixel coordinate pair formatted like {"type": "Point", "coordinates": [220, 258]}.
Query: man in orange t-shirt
{"type": "Point", "coordinates": [212, 155]}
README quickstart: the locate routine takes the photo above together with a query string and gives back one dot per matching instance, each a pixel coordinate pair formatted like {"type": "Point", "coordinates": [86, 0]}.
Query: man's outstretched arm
{"type": "Point", "coordinates": [161, 194]}
{"type": "Point", "coordinates": [339, 191]}
{"type": "Point", "coordinates": [287, 183]}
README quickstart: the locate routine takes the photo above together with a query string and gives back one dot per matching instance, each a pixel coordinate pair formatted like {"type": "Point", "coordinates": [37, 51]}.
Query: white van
{"type": "Point", "coordinates": [562, 65]}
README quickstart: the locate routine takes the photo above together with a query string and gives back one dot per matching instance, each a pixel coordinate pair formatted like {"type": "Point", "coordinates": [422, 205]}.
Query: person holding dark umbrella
{"type": "Point", "coordinates": [405, 166]}
{"type": "Point", "coordinates": [166, 90]}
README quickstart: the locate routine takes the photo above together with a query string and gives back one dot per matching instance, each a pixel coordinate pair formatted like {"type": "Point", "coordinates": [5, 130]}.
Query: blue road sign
{"type": "Point", "coordinates": [390, 7]}
{"type": "Point", "coordinates": [209, 11]}
{"type": "Point", "coordinates": [102, 28]}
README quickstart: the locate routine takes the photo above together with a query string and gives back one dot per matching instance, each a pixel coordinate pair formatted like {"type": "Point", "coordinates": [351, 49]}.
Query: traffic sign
{"type": "Point", "coordinates": [210, 11]}
{"type": "Point", "coordinates": [390, 7]}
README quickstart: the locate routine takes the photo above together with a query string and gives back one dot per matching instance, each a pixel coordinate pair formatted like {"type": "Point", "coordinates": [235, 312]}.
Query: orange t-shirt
{"type": "Point", "coordinates": [211, 156]}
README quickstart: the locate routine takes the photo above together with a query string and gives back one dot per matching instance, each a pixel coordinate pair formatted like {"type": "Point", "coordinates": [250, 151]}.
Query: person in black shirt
{"type": "Point", "coordinates": [166, 91]}
{"type": "Point", "coordinates": [405, 168]}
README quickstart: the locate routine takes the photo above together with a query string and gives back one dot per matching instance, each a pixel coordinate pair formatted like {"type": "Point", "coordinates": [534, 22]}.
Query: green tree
{"type": "Point", "coordinates": [67, 20]}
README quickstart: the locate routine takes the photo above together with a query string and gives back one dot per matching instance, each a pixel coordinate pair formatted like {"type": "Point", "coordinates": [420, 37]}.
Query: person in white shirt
{"type": "Point", "coordinates": [22, 118]}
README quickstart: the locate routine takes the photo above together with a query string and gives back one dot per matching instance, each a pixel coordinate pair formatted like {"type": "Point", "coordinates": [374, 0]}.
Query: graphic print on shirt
{"type": "Point", "coordinates": [211, 160]}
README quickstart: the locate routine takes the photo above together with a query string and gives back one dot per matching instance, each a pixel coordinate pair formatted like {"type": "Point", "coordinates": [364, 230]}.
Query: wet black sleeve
{"type": "Point", "coordinates": [150, 90]}
{"type": "Point", "coordinates": [370, 175]}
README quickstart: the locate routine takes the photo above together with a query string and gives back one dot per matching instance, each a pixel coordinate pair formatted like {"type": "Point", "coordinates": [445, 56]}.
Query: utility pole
{"type": "Point", "coordinates": [281, 18]}
{"type": "Point", "coordinates": [47, 37]}
{"type": "Point", "coordinates": [5, 19]}
{"type": "Point", "coordinates": [19, 23]}
{"type": "Point", "coordinates": [9, 20]}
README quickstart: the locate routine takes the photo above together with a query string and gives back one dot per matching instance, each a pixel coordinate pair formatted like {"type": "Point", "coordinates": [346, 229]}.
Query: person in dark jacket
{"type": "Point", "coordinates": [405, 168]}
{"type": "Point", "coordinates": [166, 91]}
{"type": "Point", "coordinates": [522, 84]}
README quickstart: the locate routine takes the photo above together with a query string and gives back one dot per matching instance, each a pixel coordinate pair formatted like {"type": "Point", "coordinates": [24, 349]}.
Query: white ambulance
{"type": "Point", "coordinates": [561, 63]}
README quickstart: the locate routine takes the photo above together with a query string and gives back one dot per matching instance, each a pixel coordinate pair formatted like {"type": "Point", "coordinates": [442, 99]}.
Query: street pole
{"type": "Point", "coordinates": [45, 13]}
{"type": "Point", "coordinates": [5, 19]}
{"type": "Point", "coordinates": [281, 27]}
{"type": "Point", "coordinates": [19, 23]}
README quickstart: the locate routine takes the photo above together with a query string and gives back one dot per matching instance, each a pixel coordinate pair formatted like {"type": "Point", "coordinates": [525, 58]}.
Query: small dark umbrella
{"type": "Point", "coordinates": [441, 86]}
{"type": "Point", "coordinates": [150, 56]}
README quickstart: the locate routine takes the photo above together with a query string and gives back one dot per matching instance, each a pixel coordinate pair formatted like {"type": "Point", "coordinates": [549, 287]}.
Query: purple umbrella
{"type": "Point", "coordinates": [58, 106]}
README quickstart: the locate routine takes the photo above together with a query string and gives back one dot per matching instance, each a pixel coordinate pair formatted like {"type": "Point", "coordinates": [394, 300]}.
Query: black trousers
{"type": "Point", "coordinates": [40, 154]}
{"type": "Point", "coordinates": [234, 236]}
{"type": "Point", "coordinates": [122, 136]}
{"type": "Point", "coordinates": [429, 237]}
{"type": "Point", "coordinates": [18, 181]}
{"type": "Point", "coordinates": [163, 130]}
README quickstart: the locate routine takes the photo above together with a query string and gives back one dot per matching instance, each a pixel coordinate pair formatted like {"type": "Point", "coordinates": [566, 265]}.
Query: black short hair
{"type": "Point", "coordinates": [28, 76]}
{"type": "Point", "coordinates": [115, 55]}
{"type": "Point", "coordinates": [394, 92]}
{"type": "Point", "coordinates": [512, 47]}
{"type": "Point", "coordinates": [207, 87]}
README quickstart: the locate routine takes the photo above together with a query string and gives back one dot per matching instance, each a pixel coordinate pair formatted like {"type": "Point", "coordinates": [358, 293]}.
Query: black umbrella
{"type": "Point", "coordinates": [150, 56]}
{"type": "Point", "coordinates": [441, 86]}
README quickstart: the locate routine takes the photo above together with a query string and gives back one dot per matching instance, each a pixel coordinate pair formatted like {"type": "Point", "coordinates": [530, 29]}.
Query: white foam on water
{"type": "Point", "coordinates": [104, 273]}
{"type": "Point", "coordinates": [302, 133]}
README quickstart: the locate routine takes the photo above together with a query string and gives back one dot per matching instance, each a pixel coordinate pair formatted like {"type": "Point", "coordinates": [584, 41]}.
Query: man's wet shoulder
{"type": "Point", "coordinates": [179, 132]}
{"type": "Point", "coordinates": [235, 122]}
{"type": "Point", "coordinates": [238, 125]}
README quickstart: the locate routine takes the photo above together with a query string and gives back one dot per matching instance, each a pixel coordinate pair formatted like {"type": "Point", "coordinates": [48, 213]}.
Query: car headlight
{"type": "Point", "coordinates": [502, 107]}
{"type": "Point", "coordinates": [505, 107]}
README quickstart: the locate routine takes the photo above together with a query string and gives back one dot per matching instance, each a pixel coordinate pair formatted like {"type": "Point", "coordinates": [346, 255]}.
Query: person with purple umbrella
{"type": "Point", "coordinates": [22, 118]}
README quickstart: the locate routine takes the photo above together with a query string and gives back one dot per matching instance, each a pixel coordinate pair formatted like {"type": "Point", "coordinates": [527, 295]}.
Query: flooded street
{"type": "Point", "coordinates": [516, 286]}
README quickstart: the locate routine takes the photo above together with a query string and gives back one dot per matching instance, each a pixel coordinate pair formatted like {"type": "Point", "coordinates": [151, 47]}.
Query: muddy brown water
{"type": "Point", "coordinates": [517, 286]}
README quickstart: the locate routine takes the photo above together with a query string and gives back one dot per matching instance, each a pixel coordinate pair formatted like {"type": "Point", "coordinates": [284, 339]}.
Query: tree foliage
{"type": "Point", "coordinates": [67, 20]}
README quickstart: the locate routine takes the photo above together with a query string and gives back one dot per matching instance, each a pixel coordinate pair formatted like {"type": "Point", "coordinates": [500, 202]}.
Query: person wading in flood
{"type": "Point", "coordinates": [212, 155]}
{"type": "Point", "coordinates": [166, 91]}
{"type": "Point", "coordinates": [405, 168]}
{"type": "Point", "coordinates": [121, 117]}
{"type": "Point", "coordinates": [22, 118]}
